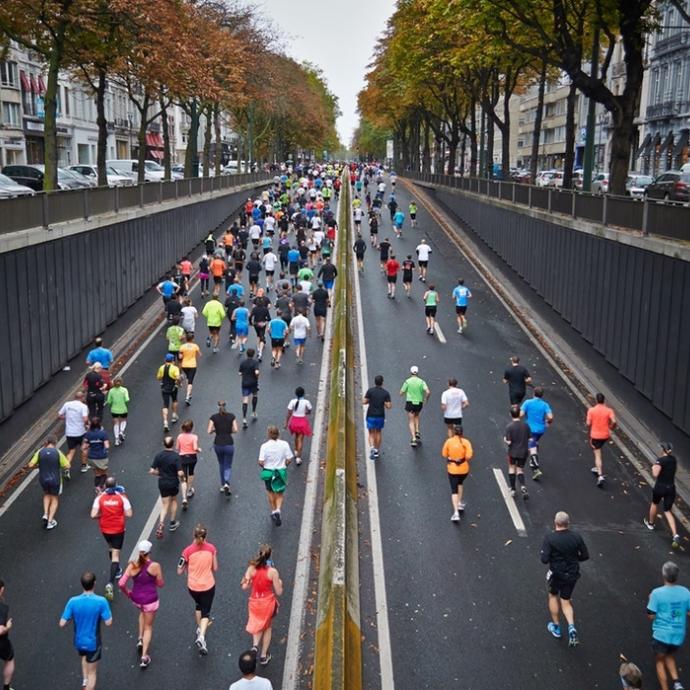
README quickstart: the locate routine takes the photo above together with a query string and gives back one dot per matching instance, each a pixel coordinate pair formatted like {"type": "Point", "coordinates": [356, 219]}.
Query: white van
{"type": "Point", "coordinates": [685, 167]}
{"type": "Point", "coordinates": [153, 172]}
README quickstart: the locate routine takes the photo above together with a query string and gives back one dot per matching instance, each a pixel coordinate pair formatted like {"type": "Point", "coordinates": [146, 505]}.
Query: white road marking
{"type": "Point", "coordinates": [146, 531]}
{"type": "Point", "coordinates": [510, 503]}
{"type": "Point", "coordinates": [383, 629]}
{"type": "Point", "coordinates": [439, 333]}
{"type": "Point", "coordinates": [19, 490]}
{"type": "Point", "coordinates": [302, 569]}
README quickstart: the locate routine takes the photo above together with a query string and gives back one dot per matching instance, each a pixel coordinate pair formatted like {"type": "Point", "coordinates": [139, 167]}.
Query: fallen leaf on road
{"type": "Point", "coordinates": [510, 541]}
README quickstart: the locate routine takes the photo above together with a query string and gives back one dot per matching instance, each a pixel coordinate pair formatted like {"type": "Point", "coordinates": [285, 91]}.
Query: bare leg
{"type": "Point", "coordinates": [661, 671]}
{"type": "Point", "coordinates": [671, 523]}
{"type": "Point", "coordinates": [553, 608]}
{"type": "Point", "coordinates": [568, 612]}
{"type": "Point", "coordinates": [148, 631]}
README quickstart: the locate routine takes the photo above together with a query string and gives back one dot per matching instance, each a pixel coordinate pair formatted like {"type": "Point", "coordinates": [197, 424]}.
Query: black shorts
{"type": "Point", "coordinates": [665, 495]}
{"type": "Point", "coordinates": [188, 464]}
{"type": "Point", "coordinates": [392, 279]}
{"type": "Point", "coordinates": [119, 415]}
{"type": "Point", "coordinates": [203, 601]}
{"type": "Point", "coordinates": [250, 390]}
{"type": "Point", "coordinates": [217, 279]}
{"type": "Point", "coordinates": [51, 489]}
{"type": "Point", "coordinates": [253, 278]}
{"type": "Point", "coordinates": [453, 421]}
{"type": "Point", "coordinates": [561, 588]}
{"type": "Point", "coordinates": [320, 312]}
{"type": "Point", "coordinates": [169, 396]}
{"type": "Point", "coordinates": [456, 480]}
{"type": "Point", "coordinates": [167, 490]}
{"type": "Point", "coordinates": [598, 443]}
{"type": "Point", "coordinates": [92, 656]}
{"type": "Point", "coordinates": [429, 311]}
{"type": "Point", "coordinates": [293, 268]}
{"type": "Point", "coordinates": [269, 273]}
{"type": "Point", "coordinates": [214, 330]}
{"type": "Point", "coordinates": [239, 266]}
{"type": "Point", "coordinates": [407, 277]}
{"type": "Point", "coordinates": [277, 342]}
{"type": "Point", "coordinates": [115, 541]}
{"type": "Point", "coordinates": [260, 333]}
{"type": "Point", "coordinates": [190, 373]}
{"type": "Point", "coordinates": [519, 462]}
{"type": "Point", "coordinates": [461, 311]}
{"type": "Point", "coordinates": [74, 441]}
{"type": "Point", "coordinates": [422, 264]}
{"type": "Point", "coordinates": [664, 648]}
{"type": "Point", "coordinates": [413, 407]}
{"type": "Point", "coordinates": [359, 257]}
{"type": "Point", "coordinates": [413, 216]}
{"type": "Point", "coordinates": [516, 397]}
{"type": "Point", "coordinates": [6, 649]}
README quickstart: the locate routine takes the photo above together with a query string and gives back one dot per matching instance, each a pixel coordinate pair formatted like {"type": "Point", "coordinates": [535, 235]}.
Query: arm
{"type": "Point", "coordinates": [656, 470]}
{"type": "Point", "coordinates": [215, 563]}
{"type": "Point", "coordinates": [95, 509]}
{"type": "Point", "coordinates": [156, 570]}
{"type": "Point", "coordinates": [246, 581]}
{"type": "Point", "coordinates": [4, 629]}
{"type": "Point", "coordinates": [210, 428]}
{"type": "Point", "coordinates": [34, 459]}
{"type": "Point", "coordinates": [277, 582]}
{"type": "Point", "coordinates": [182, 565]}
{"type": "Point", "coordinates": [235, 428]}
{"type": "Point", "coordinates": [545, 552]}
{"type": "Point", "coordinates": [583, 554]}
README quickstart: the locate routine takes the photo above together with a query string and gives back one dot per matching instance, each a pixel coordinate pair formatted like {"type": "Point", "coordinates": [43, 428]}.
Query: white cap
{"type": "Point", "coordinates": [145, 546]}
{"type": "Point", "coordinates": [414, 370]}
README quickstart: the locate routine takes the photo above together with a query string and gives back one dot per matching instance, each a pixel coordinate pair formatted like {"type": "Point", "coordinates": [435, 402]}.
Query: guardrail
{"type": "Point", "coordinates": [645, 216]}
{"type": "Point", "coordinates": [48, 208]}
{"type": "Point", "coordinates": [338, 654]}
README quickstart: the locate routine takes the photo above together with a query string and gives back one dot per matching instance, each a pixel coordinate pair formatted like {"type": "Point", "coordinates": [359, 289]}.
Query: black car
{"type": "Point", "coordinates": [673, 185]}
{"type": "Point", "coordinates": [26, 175]}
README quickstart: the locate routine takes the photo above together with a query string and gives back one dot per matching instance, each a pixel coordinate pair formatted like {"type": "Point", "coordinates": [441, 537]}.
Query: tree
{"type": "Point", "coordinates": [369, 140]}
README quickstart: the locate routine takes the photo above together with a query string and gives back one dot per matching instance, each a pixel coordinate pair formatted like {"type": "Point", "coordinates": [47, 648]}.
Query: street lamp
{"type": "Point", "coordinates": [602, 120]}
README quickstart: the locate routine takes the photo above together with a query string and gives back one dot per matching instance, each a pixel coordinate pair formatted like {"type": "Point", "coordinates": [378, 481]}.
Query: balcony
{"type": "Point", "coordinates": [674, 42]}
{"type": "Point", "coordinates": [659, 111]}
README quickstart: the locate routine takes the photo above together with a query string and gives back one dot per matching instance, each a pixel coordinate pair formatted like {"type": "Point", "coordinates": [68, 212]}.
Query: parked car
{"type": "Point", "coordinates": [600, 183]}
{"type": "Point", "coordinates": [578, 179]}
{"type": "Point", "coordinates": [115, 179]}
{"type": "Point", "coordinates": [636, 184]}
{"type": "Point", "coordinates": [543, 178]}
{"type": "Point", "coordinates": [153, 172]}
{"type": "Point", "coordinates": [32, 176]}
{"type": "Point", "coordinates": [9, 189]}
{"type": "Point", "coordinates": [82, 179]}
{"type": "Point", "coordinates": [685, 167]}
{"type": "Point", "coordinates": [177, 171]}
{"type": "Point", "coordinates": [556, 179]}
{"type": "Point", "coordinates": [673, 185]}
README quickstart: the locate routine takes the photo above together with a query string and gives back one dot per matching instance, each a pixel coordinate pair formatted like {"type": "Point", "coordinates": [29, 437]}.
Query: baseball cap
{"type": "Point", "coordinates": [414, 370]}
{"type": "Point", "coordinates": [666, 446]}
{"type": "Point", "coordinates": [145, 546]}
{"type": "Point", "coordinates": [169, 358]}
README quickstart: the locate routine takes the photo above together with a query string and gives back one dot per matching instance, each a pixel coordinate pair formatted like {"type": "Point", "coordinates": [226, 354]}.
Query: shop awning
{"type": "Point", "coordinates": [34, 86]}
{"type": "Point", "coordinates": [682, 142]}
{"type": "Point", "coordinates": [668, 141]}
{"type": "Point", "coordinates": [41, 85]}
{"type": "Point", "coordinates": [154, 140]}
{"type": "Point", "coordinates": [643, 150]}
{"type": "Point", "coordinates": [26, 84]}
{"type": "Point", "coordinates": [157, 153]}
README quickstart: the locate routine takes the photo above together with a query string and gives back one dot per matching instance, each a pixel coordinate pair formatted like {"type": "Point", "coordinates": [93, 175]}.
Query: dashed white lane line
{"type": "Point", "coordinates": [439, 333]}
{"type": "Point", "coordinates": [510, 503]}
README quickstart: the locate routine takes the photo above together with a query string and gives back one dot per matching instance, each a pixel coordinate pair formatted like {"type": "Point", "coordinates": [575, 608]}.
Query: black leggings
{"type": "Point", "coordinates": [95, 403]}
{"type": "Point", "coordinates": [203, 601]}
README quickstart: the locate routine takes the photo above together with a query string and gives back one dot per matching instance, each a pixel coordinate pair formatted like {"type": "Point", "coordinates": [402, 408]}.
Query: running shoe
{"type": "Point", "coordinates": [677, 685]}
{"type": "Point", "coordinates": [537, 474]}
{"type": "Point", "coordinates": [675, 543]}
{"type": "Point", "coordinates": [208, 341]}
{"type": "Point", "coordinates": [555, 630]}
{"type": "Point", "coordinates": [67, 475]}
{"type": "Point", "coordinates": [166, 428]}
{"type": "Point", "coordinates": [372, 454]}
{"type": "Point", "coordinates": [185, 504]}
{"type": "Point", "coordinates": [174, 524]}
{"type": "Point", "coordinates": [461, 506]}
{"type": "Point", "coordinates": [254, 416]}
{"type": "Point", "coordinates": [122, 437]}
{"type": "Point", "coordinates": [45, 521]}
{"type": "Point", "coordinates": [649, 525]}
{"type": "Point", "coordinates": [594, 470]}
{"type": "Point", "coordinates": [52, 524]}
{"type": "Point", "coordinates": [174, 419]}
{"type": "Point", "coordinates": [601, 481]}
{"type": "Point", "coordinates": [119, 573]}
{"type": "Point", "coordinates": [265, 659]}
{"type": "Point", "coordinates": [298, 460]}
{"type": "Point", "coordinates": [84, 468]}
{"type": "Point", "coordinates": [245, 425]}
{"type": "Point", "coordinates": [216, 350]}
{"type": "Point", "coordinates": [273, 517]}
{"type": "Point", "coordinates": [414, 443]}
{"type": "Point", "coordinates": [109, 591]}
{"type": "Point", "coordinates": [159, 530]}
{"type": "Point", "coordinates": [187, 401]}
{"type": "Point", "coordinates": [190, 492]}
{"type": "Point", "coordinates": [140, 646]}
{"type": "Point", "coordinates": [525, 495]}
{"type": "Point", "coordinates": [279, 522]}
{"type": "Point", "coordinates": [455, 517]}
{"type": "Point", "coordinates": [460, 330]}
{"type": "Point", "coordinates": [117, 441]}
{"type": "Point", "coordinates": [573, 639]}
{"type": "Point", "coordinates": [226, 489]}
{"type": "Point", "coordinates": [145, 661]}
{"type": "Point", "coordinates": [273, 361]}
{"type": "Point", "coordinates": [200, 643]}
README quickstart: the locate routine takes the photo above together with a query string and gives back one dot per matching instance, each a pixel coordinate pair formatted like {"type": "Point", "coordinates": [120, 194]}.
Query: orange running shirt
{"type": "Point", "coordinates": [600, 419]}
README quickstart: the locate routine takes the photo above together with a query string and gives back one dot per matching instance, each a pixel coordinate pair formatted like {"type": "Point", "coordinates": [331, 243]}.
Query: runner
{"type": "Point", "coordinates": [167, 466]}
{"type": "Point", "coordinates": [392, 268]}
{"type": "Point", "coordinates": [249, 680]}
{"type": "Point", "coordinates": [101, 355]}
{"type": "Point", "coordinates": [118, 400]}
{"type": "Point", "coordinates": [423, 251]}
{"type": "Point", "coordinates": [200, 560]}
{"type": "Point", "coordinates": [259, 318]}
{"type": "Point", "coordinates": [167, 288]}
{"type": "Point", "coordinates": [398, 220]}
{"type": "Point", "coordinates": [277, 329]}
{"type": "Point", "coordinates": [240, 317]}
{"type": "Point", "coordinates": [228, 241]}
{"type": "Point", "coordinates": [516, 436]}
{"type": "Point", "coordinates": [217, 271]}
{"type": "Point", "coordinates": [6, 649]}
{"type": "Point", "coordinates": [51, 465]}
{"type": "Point", "coordinates": [253, 270]}
{"type": "Point", "coordinates": [359, 247]}
{"type": "Point", "coordinates": [328, 273]}
{"type": "Point", "coordinates": [517, 378]}
{"type": "Point", "coordinates": [96, 445]}
{"type": "Point", "coordinates": [321, 299]}
{"type": "Point", "coordinates": [173, 310]}
{"type": "Point", "coordinates": [378, 400]}
{"type": "Point", "coordinates": [293, 257]}
{"type": "Point", "coordinates": [214, 313]}
{"type": "Point", "coordinates": [462, 295]}
{"type": "Point", "coordinates": [374, 229]}
{"type": "Point", "coordinates": [266, 586]}
{"type": "Point", "coordinates": [274, 457]}
{"type": "Point", "coordinates": [147, 579]}
{"type": "Point", "coordinates": [297, 421]}
{"type": "Point", "coordinates": [187, 447]}
{"type": "Point", "coordinates": [384, 251]}
{"type": "Point", "coordinates": [249, 373]}
{"type": "Point", "coordinates": [87, 611]}
{"type": "Point", "coordinates": [664, 491]}
{"type": "Point", "coordinates": [76, 417]}
{"type": "Point", "coordinates": [563, 550]}
{"type": "Point", "coordinates": [186, 271]}
{"type": "Point", "coordinates": [358, 214]}
{"type": "Point", "coordinates": [175, 337]}
{"type": "Point", "coordinates": [431, 299]}
{"type": "Point", "coordinates": [301, 330]}
{"type": "Point", "coordinates": [407, 271]}
{"type": "Point", "coordinates": [269, 261]}
{"type": "Point", "coordinates": [453, 402]}
{"type": "Point", "coordinates": [223, 424]}
{"type": "Point", "coordinates": [96, 387]}
{"type": "Point", "coordinates": [457, 451]}
{"type": "Point", "coordinates": [188, 316]}
{"type": "Point", "coordinates": [239, 256]}
{"type": "Point", "coordinates": [416, 393]}
{"type": "Point", "coordinates": [210, 244]}
{"type": "Point", "coordinates": [204, 273]}
{"type": "Point", "coordinates": [111, 508]}
{"type": "Point", "coordinates": [600, 421]}
{"type": "Point", "coordinates": [392, 206]}
{"type": "Point", "coordinates": [668, 609]}
{"type": "Point", "coordinates": [189, 355]}
{"type": "Point", "coordinates": [169, 376]}
{"type": "Point", "coordinates": [538, 415]}
{"type": "Point", "coordinates": [412, 210]}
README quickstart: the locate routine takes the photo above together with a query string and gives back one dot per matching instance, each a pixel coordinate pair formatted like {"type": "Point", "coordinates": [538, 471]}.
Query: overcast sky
{"type": "Point", "coordinates": [337, 36]}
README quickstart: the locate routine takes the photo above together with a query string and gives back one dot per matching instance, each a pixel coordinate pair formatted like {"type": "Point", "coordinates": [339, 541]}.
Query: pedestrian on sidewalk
{"type": "Point", "coordinates": [457, 451]}
{"type": "Point", "coordinates": [223, 424]}
{"type": "Point", "coordinates": [6, 649]}
{"type": "Point", "coordinates": [297, 421]}
{"type": "Point", "coordinates": [453, 402]}
{"type": "Point", "coordinates": [200, 561]}
{"type": "Point", "coordinates": [516, 436]}
{"type": "Point", "coordinates": [563, 550]}
{"type": "Point", "coordinates": [517, 378]}
{"type": "Point", "coordinates": [187, 446]}
{"type": "Point", "coordinates": [601, 420]}
{"type": "Point", "coordinates": [87, 611]}
{"type": "Point", "coordinates": [416, 393]}
{"type": "Point", "coordinates": [111, 509]}
{"type": "Point", "coordinates": [668, 609]}
{"type": "Point", "coordinates": [75, 414]}
{"type": "Point", "coordinates": [118, 402]}
{"type": "Point", "coordinates": [274, 457]}
{"type": "Point", "coordinates": [263, 579]}
{"type": "Point", "coordinates": [51, 465]}
{"type": "Point", "coordinates": [249, 680]}
{"type": "Point", "coordinates": [378, 400]}
{"type": "Point", "coordinates": [167, 466]}
{"type": "Point", "coordinates": [147, 579]}
{"type": "Point", "coordinates": [169, 376]}
{"type": "Point", "coordinates": [664, 491]}
{"type": "Point", "coordinates": [97, 445]}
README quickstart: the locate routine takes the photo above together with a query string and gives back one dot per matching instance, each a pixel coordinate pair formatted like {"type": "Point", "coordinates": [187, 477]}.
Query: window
{"type": "Point", "coordinates": [10, 114]}
{"type": "Point", "coordinates": [655, 86]}
{"type": "Point", "coordinates": [28, 101]}
{"type": "Point", "coordinates": [9, 74]}
{"type": "Point", "coordinates": [663, 84]}
{"type": "Point", "coordinates": [66, 102]}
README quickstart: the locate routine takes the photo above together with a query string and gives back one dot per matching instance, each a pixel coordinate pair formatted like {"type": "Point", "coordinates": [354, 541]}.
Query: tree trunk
{"type": "Point", "coordinates": [50, 122]}
{"type": "Point", "coordinates": [102, 143]}
{"type": "Point", "coordinates": [207, 141]}
{"type": "Point", "coordinates": [505, 134]}
{"type": "Point", "coordinates": [141, 138]}
{"type": "Point", "coordinates": [453, 149]}
{"type": "Point", "coordinates": [474, 155]}
{"type": "Point", "coordinates": [463, 151]}
{"type": "Point", "coordinates": [569, 160]}
{"type": "Point", "coordinates": [166, 138]}
{"type": "Point", "coordinates": [536, 134]}
{"type": "Point", "coordinates": [219, 144]}
{"type": "Point", "coordinates": [191, 159]}
{"type": "Point", "coordinates": [426, 151]}
{"type": "Point", "coordinates": [489, 158]}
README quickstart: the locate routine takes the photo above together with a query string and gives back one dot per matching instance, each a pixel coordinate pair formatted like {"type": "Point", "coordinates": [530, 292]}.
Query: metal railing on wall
{"type": "Point", "coordinates": [646, 216]}
{"type": "Point", "coordinates": [47, 209]}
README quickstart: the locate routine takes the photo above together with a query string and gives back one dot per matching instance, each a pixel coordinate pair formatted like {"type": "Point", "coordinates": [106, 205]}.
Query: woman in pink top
{"type": "Point", "coordinates": [297, 421]}
{"type": "Point", "coordinates": [187, 445]}
{"type": "Point", "coordinates": [265, 584]}
{"type": "Point", "coordinates": [200, 560]}
{"type": "Point", "coordinates": [147, 578]}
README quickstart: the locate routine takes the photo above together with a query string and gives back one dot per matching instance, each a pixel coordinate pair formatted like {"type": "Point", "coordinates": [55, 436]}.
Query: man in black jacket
{"type": "Point", "coordinates": [563, 550]}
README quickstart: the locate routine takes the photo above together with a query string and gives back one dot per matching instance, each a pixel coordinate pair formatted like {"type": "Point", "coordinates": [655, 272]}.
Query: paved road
{"type": "Point", "coordinates": [42, 569]}
{"type": "Point", "coordinates": [467, 604]}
